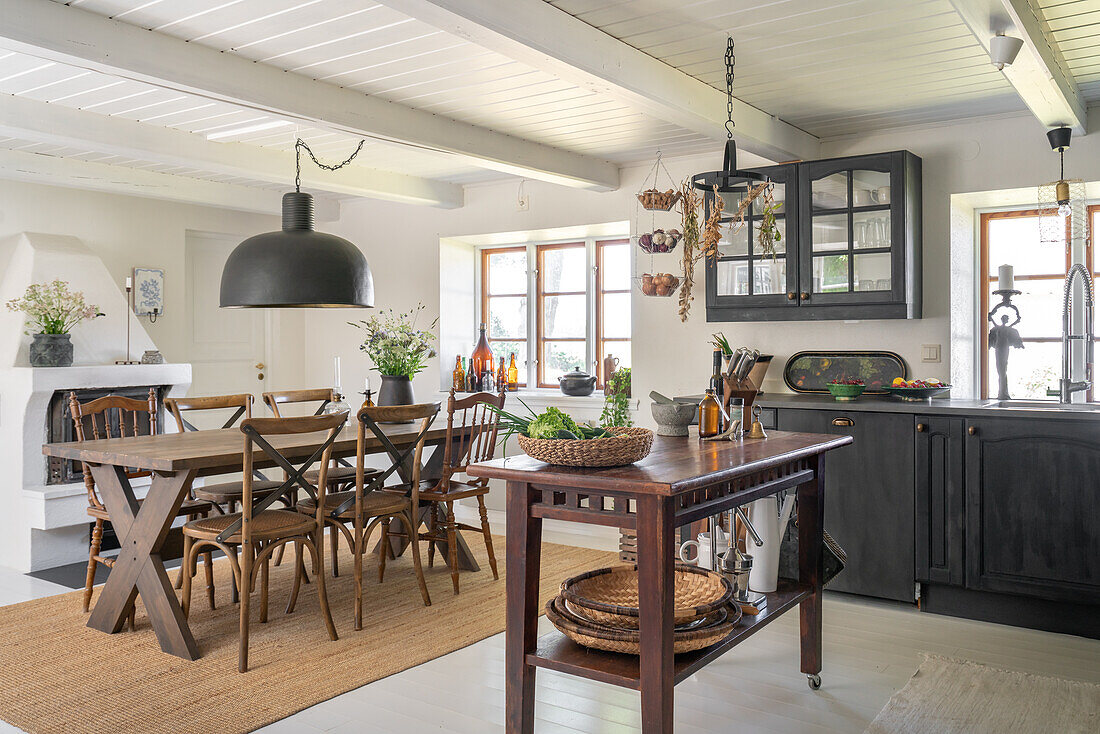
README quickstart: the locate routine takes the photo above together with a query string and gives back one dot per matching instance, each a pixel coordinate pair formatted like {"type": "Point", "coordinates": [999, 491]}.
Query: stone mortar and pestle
{"type": "Point", "coordinates": [672, 417]}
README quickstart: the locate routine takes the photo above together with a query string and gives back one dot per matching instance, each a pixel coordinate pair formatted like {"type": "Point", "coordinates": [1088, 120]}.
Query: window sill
{"type": "Point", "coordinates": [547, 396]}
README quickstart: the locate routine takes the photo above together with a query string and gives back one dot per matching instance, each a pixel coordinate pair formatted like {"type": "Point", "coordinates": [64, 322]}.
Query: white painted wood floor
{"type": "Point", "coordinates": [870, 650]}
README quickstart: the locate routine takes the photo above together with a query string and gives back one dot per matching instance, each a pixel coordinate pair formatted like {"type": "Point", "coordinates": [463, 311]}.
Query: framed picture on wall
{"type": "Point", "coordinates": [149, 291]}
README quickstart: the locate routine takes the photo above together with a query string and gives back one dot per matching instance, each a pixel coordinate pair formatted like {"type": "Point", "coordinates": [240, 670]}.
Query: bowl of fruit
{"type": "Point", "coordinates": [846, 389]}
{"type": "Point", "coordinates": [916, 390]}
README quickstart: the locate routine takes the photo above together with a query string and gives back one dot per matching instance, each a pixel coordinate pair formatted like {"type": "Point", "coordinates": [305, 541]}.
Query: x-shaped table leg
{"type": "Point", "coordinates": [138, 569]}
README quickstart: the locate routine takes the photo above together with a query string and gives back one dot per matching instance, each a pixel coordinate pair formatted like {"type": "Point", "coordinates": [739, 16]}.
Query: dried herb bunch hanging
{"type": "Point", "coordinates": [768, 233]}
{"type": "Point", "coordinates": [689, 210]}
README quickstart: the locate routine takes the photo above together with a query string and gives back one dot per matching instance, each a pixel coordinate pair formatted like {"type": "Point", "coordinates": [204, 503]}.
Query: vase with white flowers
{"type": "Point", "coordinates": [399, 350]}
{"type": "Point", "coordinates": [52, 311]}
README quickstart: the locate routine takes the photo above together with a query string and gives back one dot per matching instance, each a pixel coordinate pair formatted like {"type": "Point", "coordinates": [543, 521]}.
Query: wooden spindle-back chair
{"type": "Point", "coordinates": [258, 531]}
{"type": "Point", "coordinates": [114, 416]}
{"type": "Point", "coordinates": [472, 430]}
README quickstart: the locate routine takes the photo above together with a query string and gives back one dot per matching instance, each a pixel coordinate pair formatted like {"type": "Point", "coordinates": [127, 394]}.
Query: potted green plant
{"type": "Point", "coordinates": [616, 401]}
{"type": "Point", "coordinates": [52, 311]}
{"type": "Point", "coordinates": [398, 350]}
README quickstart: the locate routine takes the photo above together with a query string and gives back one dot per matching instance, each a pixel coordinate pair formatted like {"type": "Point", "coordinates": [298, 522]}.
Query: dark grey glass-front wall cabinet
{"type": "Point", "coordinates": [850, 246]}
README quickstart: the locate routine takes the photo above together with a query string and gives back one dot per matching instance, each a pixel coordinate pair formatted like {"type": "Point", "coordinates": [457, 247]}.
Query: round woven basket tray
{"type": "Point", "coordinates": [609, 596]}
{"type": "Point", "coordinates": [625, 447]}
{"type": "Point", "coordinates": [629, 641]}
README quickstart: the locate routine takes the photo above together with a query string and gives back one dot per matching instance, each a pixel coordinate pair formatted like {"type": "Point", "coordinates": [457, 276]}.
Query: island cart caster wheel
{"type": "Point", "coordinates": [814, 681]}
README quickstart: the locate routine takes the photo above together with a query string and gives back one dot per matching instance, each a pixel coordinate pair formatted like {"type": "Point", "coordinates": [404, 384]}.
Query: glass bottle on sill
{"type": "Point", "coordinates": [502, 377]}
{"type": "Point", "coordinates": [482, 360]}
{"type": "Point", "coordinates": [513, 375]}
{"type": "Point", "coordinates": [458, 376]}
{"type": "Point", "coordinates": [710, 415]}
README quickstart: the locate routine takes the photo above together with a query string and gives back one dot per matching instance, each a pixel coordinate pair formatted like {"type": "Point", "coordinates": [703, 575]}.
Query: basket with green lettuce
{"type": "Point", "coordinates": [555, 437]}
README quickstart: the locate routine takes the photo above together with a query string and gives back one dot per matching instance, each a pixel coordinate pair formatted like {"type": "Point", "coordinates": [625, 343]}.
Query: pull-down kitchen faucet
{"type": "Point", "coordinates": [1067, 386]}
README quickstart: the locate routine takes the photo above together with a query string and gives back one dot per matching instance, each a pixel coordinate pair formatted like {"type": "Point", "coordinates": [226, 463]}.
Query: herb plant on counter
{"type": "Point", "coordinates": [616, 402]}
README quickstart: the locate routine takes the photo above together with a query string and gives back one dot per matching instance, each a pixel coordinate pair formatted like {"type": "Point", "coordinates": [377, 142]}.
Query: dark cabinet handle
{"type": "Point", "coordinates": [805, 296]}
{"type": "Point", "coordinates": [843, 422]}
{"type": "Point", "coordinates": [792, 296]}
{"type": "Point", "coordinates": [921, 428]}
{"type": "Point", "coordinates": [972, 430]}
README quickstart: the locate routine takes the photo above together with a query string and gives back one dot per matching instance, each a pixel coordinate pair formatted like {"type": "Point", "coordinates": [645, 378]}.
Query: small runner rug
{"type": "Point", "coordinates": [950, 696]}
{"type": "Point", "coordinates": [59, 676]}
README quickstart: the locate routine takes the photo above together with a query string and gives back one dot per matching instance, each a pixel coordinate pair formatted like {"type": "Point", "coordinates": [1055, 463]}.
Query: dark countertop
{"type": "Point", "coordinates": [942, 406]}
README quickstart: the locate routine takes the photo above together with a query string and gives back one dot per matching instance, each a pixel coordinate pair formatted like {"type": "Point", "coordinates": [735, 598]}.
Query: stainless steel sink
{"type": "Point", "coordinates": [1042, 405]}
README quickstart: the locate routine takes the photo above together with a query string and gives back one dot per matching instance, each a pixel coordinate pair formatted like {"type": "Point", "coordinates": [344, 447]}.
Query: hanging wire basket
{"type": "Point", "coordinates": [653, 198]}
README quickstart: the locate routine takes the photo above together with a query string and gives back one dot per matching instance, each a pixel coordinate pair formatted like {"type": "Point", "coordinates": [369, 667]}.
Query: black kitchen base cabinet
{"type": "Point", "coordinates": [1019, 611]}
{"type": "Point", "coordinates": [1033, 508]}
{"type": "Point", "coordinates": [938, 472]}
{"type": "Point", "coordinates": [869, 510]}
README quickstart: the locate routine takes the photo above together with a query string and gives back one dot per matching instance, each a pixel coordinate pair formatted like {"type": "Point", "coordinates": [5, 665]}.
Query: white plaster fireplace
{"type": "Point", "coordinates": [44, 524]}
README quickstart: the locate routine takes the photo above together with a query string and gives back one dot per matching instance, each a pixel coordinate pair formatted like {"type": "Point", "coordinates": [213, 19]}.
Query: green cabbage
{"type": "Point", "coordinates": [548, 423]}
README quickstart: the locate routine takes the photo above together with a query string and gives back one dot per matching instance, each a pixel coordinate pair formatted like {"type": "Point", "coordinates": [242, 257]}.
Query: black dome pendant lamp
{"type": "Point", "coordinates": [298, 267]}
{"type": "Point", "coordinates": [732, 183]}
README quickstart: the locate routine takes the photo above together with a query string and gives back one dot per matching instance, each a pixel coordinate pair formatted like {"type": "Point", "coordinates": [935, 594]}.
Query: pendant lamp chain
{"type": "Point", "coordinates": [300, 144]}
{"type": "Point", "coordinates": [729, 87]}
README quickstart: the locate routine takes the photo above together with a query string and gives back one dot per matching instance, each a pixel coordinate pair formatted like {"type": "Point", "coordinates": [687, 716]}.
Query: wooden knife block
{"type": "Point", "coordinates": [743, 389]}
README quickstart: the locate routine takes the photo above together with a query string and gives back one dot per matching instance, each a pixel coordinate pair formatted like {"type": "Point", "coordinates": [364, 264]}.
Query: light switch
{"type": "Point", "coordinates": [929, 352]}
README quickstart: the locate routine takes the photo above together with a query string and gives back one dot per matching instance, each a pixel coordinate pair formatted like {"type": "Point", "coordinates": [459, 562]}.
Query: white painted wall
{"type": "Point", "coordinates": [128, 231]}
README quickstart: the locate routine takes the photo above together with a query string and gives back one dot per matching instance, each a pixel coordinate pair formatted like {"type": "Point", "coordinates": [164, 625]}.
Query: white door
{"type": "Point", "coordinates": [227, 346]}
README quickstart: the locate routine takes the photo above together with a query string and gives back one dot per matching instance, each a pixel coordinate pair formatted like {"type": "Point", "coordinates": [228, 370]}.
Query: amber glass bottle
{"type": "Point", "coordinates": [502, 377]}
{"type": "Point", "coordinates": [367, 402]}
{"type": "Point", "coordinates": [513, 375]}
{"type": "Point", "coordinates": [710, 415]}
{"type": "Point", "coordinates": [482, 361]}
{"type": "Point", "coordinates": [458, 376]}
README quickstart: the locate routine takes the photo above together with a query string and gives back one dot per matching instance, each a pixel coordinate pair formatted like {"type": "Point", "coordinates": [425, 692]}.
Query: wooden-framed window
{"type": "Point", "coordinates": [557, 305]}
{"type": "Point", "coordinates": [1012, 238]}
{"type": "Point", "coordinates": [612, 303]}
{"type": "Point", "coordinates": [504, 303]}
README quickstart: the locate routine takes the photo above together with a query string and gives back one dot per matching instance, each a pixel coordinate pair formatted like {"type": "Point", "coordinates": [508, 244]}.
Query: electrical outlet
{"type": "Point", "coordinates": [523, 203]}
{"type": "Point", "coordinates": [929, 352]}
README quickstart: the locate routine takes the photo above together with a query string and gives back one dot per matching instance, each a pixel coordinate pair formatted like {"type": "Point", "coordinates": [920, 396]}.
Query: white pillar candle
{"type": "Point", "coordinates": [1005, 280]}
{"type": "Point", "coordinates": [129, 283]}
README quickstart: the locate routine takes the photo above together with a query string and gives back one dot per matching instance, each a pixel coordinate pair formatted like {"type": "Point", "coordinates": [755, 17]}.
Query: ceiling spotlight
{"type": "Point", "coordinates": [1003, 50]}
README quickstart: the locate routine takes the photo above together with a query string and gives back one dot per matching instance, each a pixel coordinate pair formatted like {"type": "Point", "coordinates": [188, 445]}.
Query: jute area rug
{"type": "Point", "coordinates": [949, 696]}
{"type": "Point", "coordinates": [59, 676]}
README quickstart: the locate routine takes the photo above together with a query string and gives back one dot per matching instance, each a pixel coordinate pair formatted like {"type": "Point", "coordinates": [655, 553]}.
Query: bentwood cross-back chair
{"type": "Point", "coordinates": [341, 474]}
{"type": "Point", "coordinates": [114, 416]}
{"type": "Point", "coordinates": [228, 494]}
{"type": "Point", "coordinates": [257, 531]}
{"type": "Point", "coordinates": [471, 437]}
{"type": "Point", "coordinates": [364, 508]}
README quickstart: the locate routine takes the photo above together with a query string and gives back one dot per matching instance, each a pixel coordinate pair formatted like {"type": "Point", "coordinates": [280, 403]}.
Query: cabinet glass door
{"type": "Point", "coordinates": [850, 235]}
{"type": "Point", "coordinates": [746, 272]}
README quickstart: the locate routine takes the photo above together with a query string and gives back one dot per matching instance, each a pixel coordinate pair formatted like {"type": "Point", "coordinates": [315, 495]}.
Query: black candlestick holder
{"type": "Point", "coordinates": [1003, 336]}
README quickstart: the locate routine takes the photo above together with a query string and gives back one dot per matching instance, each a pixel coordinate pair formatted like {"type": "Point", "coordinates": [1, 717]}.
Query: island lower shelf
{"type": "Point", "coordinates": [557, 652]}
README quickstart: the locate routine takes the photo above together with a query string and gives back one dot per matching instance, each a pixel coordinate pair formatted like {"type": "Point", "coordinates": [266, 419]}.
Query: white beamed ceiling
{"type": "Point", "coordinates": [828, 67]}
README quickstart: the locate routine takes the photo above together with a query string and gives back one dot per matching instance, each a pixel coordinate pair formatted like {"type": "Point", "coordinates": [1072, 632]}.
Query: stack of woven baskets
{"type": "Point", "coordinates": [599, 609]}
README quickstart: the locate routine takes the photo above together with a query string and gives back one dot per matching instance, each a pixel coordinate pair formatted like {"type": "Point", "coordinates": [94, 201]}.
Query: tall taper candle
{"type": "Point", "coordinates": [336, 374]}
{"type": "Point", "coordinates": [1005, 280]}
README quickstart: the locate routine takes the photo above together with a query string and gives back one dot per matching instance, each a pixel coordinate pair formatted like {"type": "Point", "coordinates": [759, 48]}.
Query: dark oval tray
{"type": "Point", "coordinates": [810, 372]}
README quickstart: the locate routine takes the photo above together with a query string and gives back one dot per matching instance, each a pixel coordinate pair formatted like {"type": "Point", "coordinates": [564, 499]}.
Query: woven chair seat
{"type": "Point", "coordinates": [189, 507]}
{"type": "Point", "coordinates": [266, 525]}
{"type": "Point", "coordinates": [374, 504]}
{"type": "Point", "coordinates": [339, 474]}
{"type": "Point", "coordinates": [226, 491]}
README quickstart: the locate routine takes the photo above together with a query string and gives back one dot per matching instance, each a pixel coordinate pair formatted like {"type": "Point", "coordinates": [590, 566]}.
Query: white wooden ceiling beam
{"type": "Point", "coordinates": [39, 122]}
{"type": "Point", "coordinates": [40, 168]}
{"type": "Point", "coordinates": [80, 38]}
{"type": "Point", "coordinates": [1039, 74]}
{"type": "Point", "coordinates": [538, 34]}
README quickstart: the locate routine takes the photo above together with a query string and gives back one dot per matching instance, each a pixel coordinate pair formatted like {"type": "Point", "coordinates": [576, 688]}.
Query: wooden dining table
{"type": "Point", "coordinates": [175, 461]}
